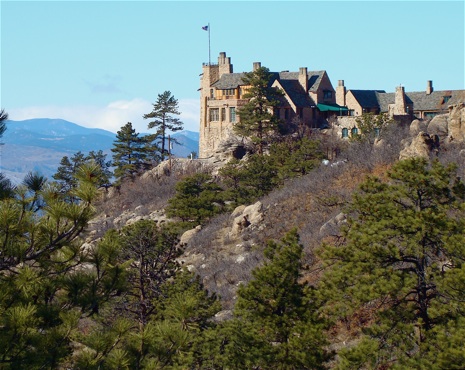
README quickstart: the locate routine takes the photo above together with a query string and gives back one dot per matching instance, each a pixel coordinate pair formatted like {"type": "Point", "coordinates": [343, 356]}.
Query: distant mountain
{"type": "Point", "coordinates": [40, 144]}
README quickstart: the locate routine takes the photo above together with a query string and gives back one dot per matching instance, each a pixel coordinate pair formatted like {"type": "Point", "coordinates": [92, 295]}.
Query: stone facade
{"type": "Point", "coordinates": [308, 96]}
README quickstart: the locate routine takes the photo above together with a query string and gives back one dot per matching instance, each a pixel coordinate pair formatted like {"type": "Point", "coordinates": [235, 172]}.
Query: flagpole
{"type": "Point", "coordinates": [209, 55]}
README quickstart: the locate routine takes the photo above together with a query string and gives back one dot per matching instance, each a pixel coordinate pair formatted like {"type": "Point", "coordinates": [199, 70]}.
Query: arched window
{"type": "Point", "coordinates": [345, 132]}
{"type": "Point", "coordinates": [354, 131]}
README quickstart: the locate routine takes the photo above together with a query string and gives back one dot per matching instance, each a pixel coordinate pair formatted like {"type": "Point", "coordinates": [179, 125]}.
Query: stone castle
{"type": "Point", "coordinates": [310, 98]}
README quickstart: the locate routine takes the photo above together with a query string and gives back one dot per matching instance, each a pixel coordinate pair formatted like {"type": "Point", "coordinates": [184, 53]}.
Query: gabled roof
{"type": "Point", "coordinates": [435, 100]}
{"type": "Point", "coordinates": [296, 93]}
{"type": "Point", "coordinates": [367, 98]}
{"type": "Point", "coordinates": [419, 99]}
{"type": "Point", "coordinates": [288, 80]}
{"type": "Point", "coordinates": [233, 80]}
{"type": "Point", "coordinates": [229, 81]}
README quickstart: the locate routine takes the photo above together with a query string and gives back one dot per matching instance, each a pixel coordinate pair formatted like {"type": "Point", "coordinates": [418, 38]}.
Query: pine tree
{"type": "Point", "coordinates": [65, 175]}
{"type": "Point", "coordinates": [3, 119]}
{"type": "Point", "coordinates": [276, 325]}
{"type": "Point", "coordinates": [257, 120]}
{"type": "Point", "coordinates": [7, 189]}
{"type": "Point", "coordinates": [129, 156]}
{"type": "Point", "coordinates": [105, 174]}
{"type": "Point", "coordinates": [164, 113]}
{"type": "Point", "coordinates": [197, 198]}
{"type": "Point", "coordinates": [161, 310]}
{"type": "Point", "coordinates": [39, 255]}
{"type": "Point", "coordinates": [6, 186]}
{"type": "Point", "coordinates": [402, 260]}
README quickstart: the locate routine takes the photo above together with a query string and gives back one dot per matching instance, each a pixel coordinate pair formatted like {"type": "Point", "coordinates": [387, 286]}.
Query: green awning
{"type": "Point", "coordinates": [331, 108]}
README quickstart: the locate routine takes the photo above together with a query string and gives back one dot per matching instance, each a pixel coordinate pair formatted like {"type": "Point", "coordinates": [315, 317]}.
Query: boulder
{"type": "Point", "coordinates": [421, 146]}
{"type": "Point", "coordinates": [332, 227]}
{"type": "Point", "coordinates": [439, 126]}
{"type": "Point", "coordinates": [457, 123]}
{"type": "Point", "coordinates": [416, 127]}
{"type": "Point", "coordinates": [186, 236]}
{"type": "Point", "coordinates": [244, 217]}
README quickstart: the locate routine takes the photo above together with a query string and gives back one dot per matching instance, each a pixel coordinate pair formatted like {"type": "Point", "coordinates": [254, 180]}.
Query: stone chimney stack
{"type": "Point", "coordinates": [341, 93]}
{"type": "Point", "coordinates": [303, 78]}
{"type": "Point", "coordinates": [429, 87]}
{"type": "Point", "coordinates": [400, 105]}
{"type": "Point", "coordinates": [256, 65]}
{"type": "Point", "coordinates": [224, 64]}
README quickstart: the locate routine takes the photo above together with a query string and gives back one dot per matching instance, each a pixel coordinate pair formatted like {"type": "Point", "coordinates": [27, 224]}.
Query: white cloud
{"type": "Point", "coordinates": [110, 117]}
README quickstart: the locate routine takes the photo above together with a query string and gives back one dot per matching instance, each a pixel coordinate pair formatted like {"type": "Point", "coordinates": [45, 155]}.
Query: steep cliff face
{"type": "Point", "coordinates": [428, 138]}
{"type": "Point", "coordinates": [456, 126]}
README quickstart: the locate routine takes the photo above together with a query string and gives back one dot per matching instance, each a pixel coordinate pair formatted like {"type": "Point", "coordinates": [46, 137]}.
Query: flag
{"type": "Point", "coordinates": [205, 28]}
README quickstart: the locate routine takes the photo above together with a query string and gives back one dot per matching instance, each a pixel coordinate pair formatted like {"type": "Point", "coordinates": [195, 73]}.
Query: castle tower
{"type": "Point", "coordinates": [211, 73]}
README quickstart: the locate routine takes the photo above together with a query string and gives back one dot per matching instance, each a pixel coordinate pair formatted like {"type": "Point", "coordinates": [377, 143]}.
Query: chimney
{"type": "Point", "coordinates": [303, 78]}
{"type": "Point", "coordinates": [429, 87]}
{"type": "Point", "coordinates": [341, 93]}
{"type": "Point", "coordinates": [400, 105]}
{"type": "Point", "coordinates": [224, 64]}
{"type": "Point", "coordinates": [256, 66]}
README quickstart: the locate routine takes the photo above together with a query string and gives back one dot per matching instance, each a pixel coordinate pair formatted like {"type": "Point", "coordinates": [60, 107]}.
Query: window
{"type": "Point", "coordinates": [327, 94]}
{"type": "Point", "coordinates": [212, 94]}
{"type": "Point", "coordinates": [354, 131]}
{"type": "Point", "coordinates": [214, 114]}
{"type": "Point", "coordinates": [446, 99]}
{"type": "Point", "coordinates": [232, 114]}
{"type": "Point", "coordinates": [223, 114]}
{"type": "Point", "coordinates": [277, 113]}
{"type": "Point", "coordinates": [229, 92]}
{"type": "Point", "coordinates": [345, 132]}
{"type": "Point", "coordinates": [286, 113]}
{"type": "Point", "coordinates": [377, 131]}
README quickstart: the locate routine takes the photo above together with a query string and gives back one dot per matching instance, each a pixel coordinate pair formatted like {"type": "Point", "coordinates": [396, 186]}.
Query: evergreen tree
{"type": "Point", "coordinates": [402, 260]}
{"type": "Point", "coordinates": [164, 113]}
{"type": "Point", "coordinates": [105, 174]}
{"type": "Point", "coordinates": [30, 193]}
{"type": "Point", "coordinates": [197, 198]}
{"type": "Point", "coordinates": [6, 186]}
{"type": "Point", "coordinates": [249, 180]}
{"type": "Point", "coordinates": [152, 252]}
{"type": "Point", "coordinates": [3, 119]}
{"type": "Point", "coordinates": [257, 119]}
{"type": "Point", "coordinates": [39, 253]}
{"type": "Point", "coordinates": [276, 325]}
{"type": "Point", "coordinates": [66, 172]}
{"type": "Point", "coordinates": [129, 156]}
{"type": "Point", "coordinates": [162, 310]}
{"type": "Point", "coordinates": [7, 189]}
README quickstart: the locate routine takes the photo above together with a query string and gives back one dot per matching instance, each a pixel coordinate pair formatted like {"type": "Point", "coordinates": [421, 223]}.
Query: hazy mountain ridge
{"type": "Point", "coordinates": [39, 145]}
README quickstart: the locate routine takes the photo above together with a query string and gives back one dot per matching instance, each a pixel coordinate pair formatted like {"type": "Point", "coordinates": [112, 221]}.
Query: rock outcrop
{"type": "Point", "coordinates": [423, 145]}
{"type": "Point", "coordinates": [439, 126]}
{"type": "Point", "coordinates": [456, 125]}
{"type": "Point", "coordinates": [244, 217]}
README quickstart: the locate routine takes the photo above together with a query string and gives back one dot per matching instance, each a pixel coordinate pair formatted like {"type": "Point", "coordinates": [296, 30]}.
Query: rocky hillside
{"type": "Point", "coordinates": [226, 249]}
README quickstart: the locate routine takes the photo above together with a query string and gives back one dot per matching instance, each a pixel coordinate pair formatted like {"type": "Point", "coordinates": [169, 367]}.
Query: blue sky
{"type": "Point", "coordinates": [102, 63]}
